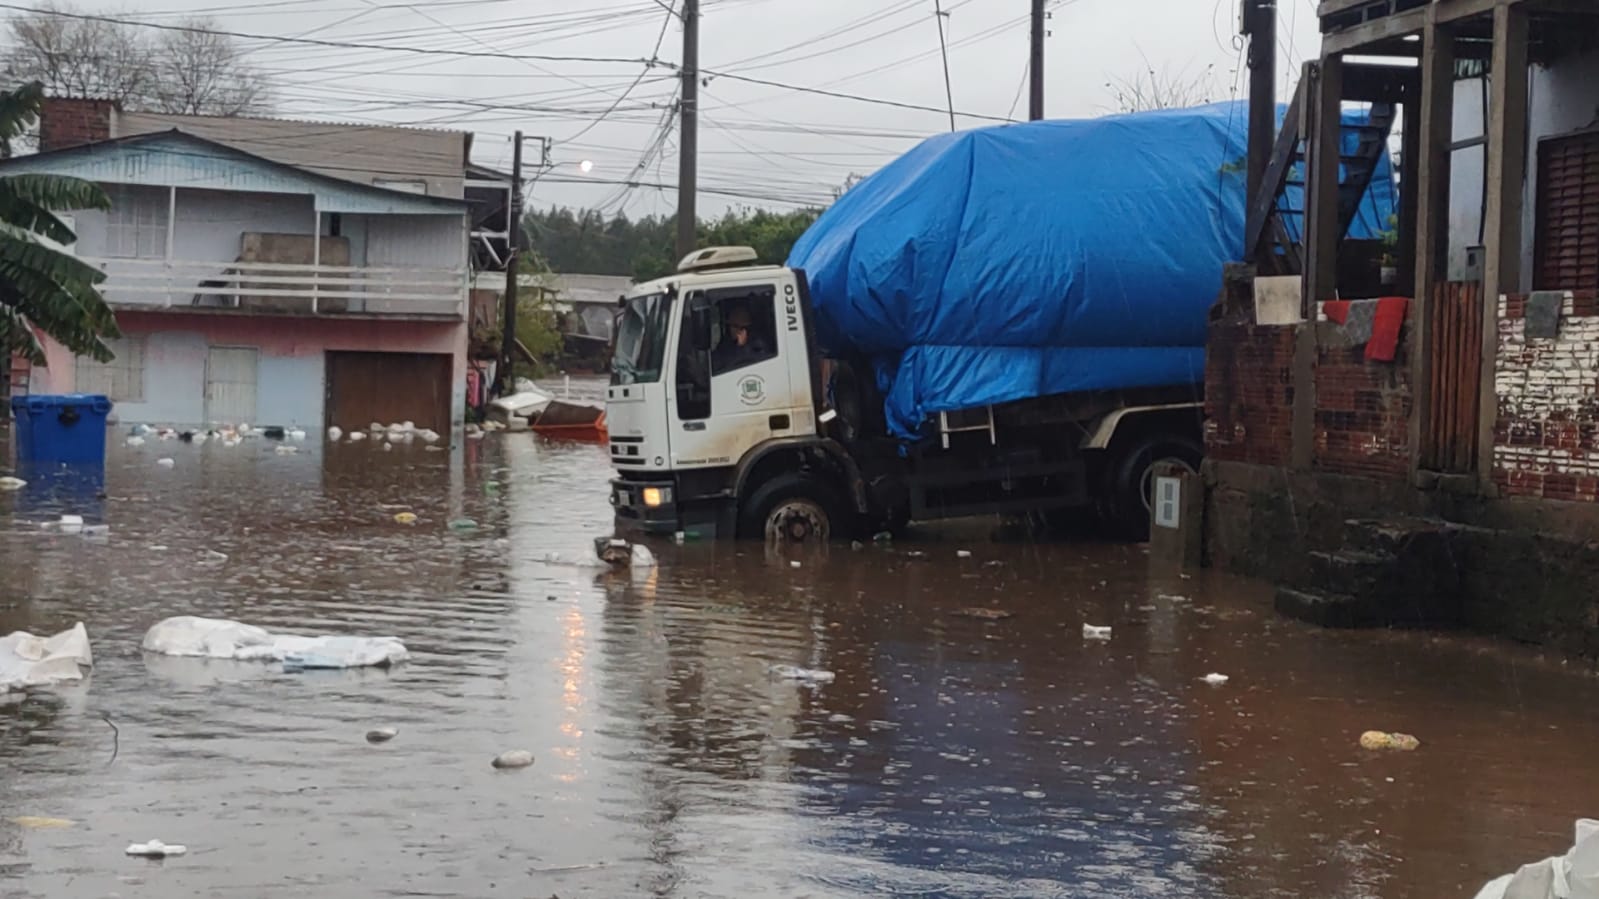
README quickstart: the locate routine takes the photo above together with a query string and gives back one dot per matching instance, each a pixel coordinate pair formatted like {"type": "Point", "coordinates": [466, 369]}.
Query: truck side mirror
{"type": "Point", "coordinates": [700, 322]}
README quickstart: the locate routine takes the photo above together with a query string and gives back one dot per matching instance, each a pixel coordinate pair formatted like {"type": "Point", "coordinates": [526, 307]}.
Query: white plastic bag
{"type": "Point", "coordinates": [1574, 875]}
{"type": "Point", "coordinates": [30, 661]}
{"type": "Point", "coordinates": [218, 638]}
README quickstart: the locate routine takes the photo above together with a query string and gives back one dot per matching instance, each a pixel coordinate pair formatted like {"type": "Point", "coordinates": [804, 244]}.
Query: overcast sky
{"type": "Point", "coordinates": [760, 145]}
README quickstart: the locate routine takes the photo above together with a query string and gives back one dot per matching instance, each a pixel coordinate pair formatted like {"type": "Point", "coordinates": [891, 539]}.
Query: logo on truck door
{"type": "Point", "coordinates": [790, 307]}
{"type": "Point", "coordinates": [752, 390]}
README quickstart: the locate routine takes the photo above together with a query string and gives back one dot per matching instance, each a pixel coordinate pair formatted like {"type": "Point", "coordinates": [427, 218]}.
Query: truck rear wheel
{"type": "Point", "coordinates": [1132, 484]}
{"type": "Point", "coordinates": [794, 508]}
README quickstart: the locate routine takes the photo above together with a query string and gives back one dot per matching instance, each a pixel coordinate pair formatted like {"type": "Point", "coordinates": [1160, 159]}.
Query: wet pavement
{"type": "Point", "coordinates": [951, 756]}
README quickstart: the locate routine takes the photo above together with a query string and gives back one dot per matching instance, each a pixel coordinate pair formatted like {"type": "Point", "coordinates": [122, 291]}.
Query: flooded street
{"type": "Point", "coordinates": [951, 756]}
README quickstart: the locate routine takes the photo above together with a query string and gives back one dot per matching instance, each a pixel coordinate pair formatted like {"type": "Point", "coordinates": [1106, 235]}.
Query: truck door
{"type": "Point", "coordinates": [735, 394]}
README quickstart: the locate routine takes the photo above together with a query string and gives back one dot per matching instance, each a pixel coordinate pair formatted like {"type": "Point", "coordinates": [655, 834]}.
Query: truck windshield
{"type": "Point", "coordinates": [641, 339]}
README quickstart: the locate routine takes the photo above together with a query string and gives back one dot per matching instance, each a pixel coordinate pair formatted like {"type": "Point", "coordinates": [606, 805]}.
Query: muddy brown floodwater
{"type": "Point", "coordinates": [951, 756]}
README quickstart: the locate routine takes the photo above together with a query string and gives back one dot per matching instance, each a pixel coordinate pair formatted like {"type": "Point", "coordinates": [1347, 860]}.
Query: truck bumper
{"type": "Point", "coordinates": [633, 514]}
{"type": "Point", "coordinates": [680, 504]}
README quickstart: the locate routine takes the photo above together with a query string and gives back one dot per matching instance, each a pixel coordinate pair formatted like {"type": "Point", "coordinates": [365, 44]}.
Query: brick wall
{"type": "Point", "coordinates": [1362, 411]}
{"type": "Point", "coordinates": [1249, 393]}
{"type": "Point", "coordinates": [70, 121]}
{"type": "Point", "coordinates": [1546, 437]}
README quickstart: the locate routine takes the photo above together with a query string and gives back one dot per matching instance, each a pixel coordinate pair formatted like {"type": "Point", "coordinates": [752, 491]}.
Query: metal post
{"type": "Point", "coordinates": [513, 258]}
{"type": "Point", "coordinates": [1260, 24]}
{"type": "Point", "coordinates": [943, 49]}
{"type": "Point", "coordinates": [316, 252]}
{"type": "Point", "coordinates": [1035, 65]}
{"type": "Point", "coordinates": [688, 137]}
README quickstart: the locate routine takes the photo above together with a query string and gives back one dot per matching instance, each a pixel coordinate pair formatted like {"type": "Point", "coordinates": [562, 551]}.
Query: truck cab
{"type": "Point", "coordinates": [725, 421]}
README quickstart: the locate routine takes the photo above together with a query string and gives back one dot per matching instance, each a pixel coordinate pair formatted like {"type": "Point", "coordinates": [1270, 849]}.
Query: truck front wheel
{"type": "Point", "coordinates": [793, 508]}
{"type": "Point", "coordinates": [1133, 479]}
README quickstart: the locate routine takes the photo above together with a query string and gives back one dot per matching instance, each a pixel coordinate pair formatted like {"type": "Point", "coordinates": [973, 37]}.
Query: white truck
{"type": "Point", "coordinates": [756, 435]}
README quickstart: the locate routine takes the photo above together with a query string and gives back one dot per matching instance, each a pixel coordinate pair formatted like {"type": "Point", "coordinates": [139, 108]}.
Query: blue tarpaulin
{"type": "Point", "coordinates": [1018, 261]}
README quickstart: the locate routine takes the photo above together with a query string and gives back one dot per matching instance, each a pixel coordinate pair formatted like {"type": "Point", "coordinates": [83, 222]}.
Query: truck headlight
{"type": "Point", "coordinates": [657, 496]}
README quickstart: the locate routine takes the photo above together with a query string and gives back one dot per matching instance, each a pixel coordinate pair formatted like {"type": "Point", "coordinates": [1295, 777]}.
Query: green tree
{"type": "Point", "coordinates": [42, 287]}
{"type": "Point", "coordinates": [585, 242]}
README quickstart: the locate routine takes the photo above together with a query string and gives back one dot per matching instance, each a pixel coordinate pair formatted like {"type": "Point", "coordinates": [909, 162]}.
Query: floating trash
{"type": "Point", "coordinates": [515, 758]}
{"type": "Point", "coordinates": [985, 614]}
{"type": "Point", "coordinates": [10, 483]}
{"type": "Point", "coordinates": [156, 849]}
{"type": "Point", "coordinates": [381, 735]}
{"type": "Point", "coordinates": [807, 675]}
{"type": "Point", "coordinates": [33, 822]}
{"type": "Point", "coordinates": [1095, 632]}
{"type": "Point", "coordinates": [463, 524]}
{"type": "Point", "coordinates": [1379, 740]}
{"type": "Point", "coordinates": [405, 517]}
{"type": "Point", "coordinates": [1215, 680]}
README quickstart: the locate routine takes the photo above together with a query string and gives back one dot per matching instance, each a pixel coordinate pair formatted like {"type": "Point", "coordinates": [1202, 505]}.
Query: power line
{"type": "Point", "coordinates": [838, 95]}
{"type": "Point", "coordinates": [671, 13]}
{"type": "Point", "coordinates": [319, 42]}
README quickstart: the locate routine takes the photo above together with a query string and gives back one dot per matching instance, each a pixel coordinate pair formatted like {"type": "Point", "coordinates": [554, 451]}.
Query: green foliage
{"type": "Point", "coordinates": [42, 288]}
{"type": "Point", "coordinates": [585, 242]}
{"type": "Point", "coordinates": [537, 324]}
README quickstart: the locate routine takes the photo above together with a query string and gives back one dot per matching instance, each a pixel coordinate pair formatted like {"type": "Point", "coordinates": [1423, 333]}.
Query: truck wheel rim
{"type": "Point", "coordinates": [1146, 485]}
{"type": "Point", "coordinates": [797, 521]}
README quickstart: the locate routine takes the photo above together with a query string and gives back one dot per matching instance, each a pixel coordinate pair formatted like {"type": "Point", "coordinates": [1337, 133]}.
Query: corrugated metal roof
{"type": "Point", "coordinates": [175, 158]}
{"type": "Point", "coordinates": [362, 153]}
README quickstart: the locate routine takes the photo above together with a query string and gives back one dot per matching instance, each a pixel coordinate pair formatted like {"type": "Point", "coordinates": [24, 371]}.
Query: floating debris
{"type": "Point", "coordinates": [33, 822]}
{"type": "Point", "coordinates": [1215, 680]}
{"type": "Point", "coordinates": [165, 462]}
{"type": "Point", "coordinates": [463, 524]}
{"type": "Point", "coordinates": [381, 735]}
{"type": "Point", "coordinates": [806, 675]}
{"type": "Point", "coordinates": [1095, 632]}
{"type": "Point", "coordinates": [357, 436]}
{"type": "Point", "coordinates": [156, 849]}
{"type": "Point", "coordinates": [515, 758]}
{"type": "Point", "coordinates": [985, 614]}
{"type": "Point", "coordinates": [1377, 740]}
{"type": "Point", "coordinates": [405, 518]}
{"type": "Point", "coordinates": [963, 554]}
{"type": "Point", "coordinates": [334, 433]}
{"type": "Point", "coordinates": [10, 483]}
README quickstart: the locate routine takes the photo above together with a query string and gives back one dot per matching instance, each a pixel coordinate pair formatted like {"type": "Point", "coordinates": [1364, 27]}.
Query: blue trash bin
{"type": "Point", "coordinates": [68, 428]}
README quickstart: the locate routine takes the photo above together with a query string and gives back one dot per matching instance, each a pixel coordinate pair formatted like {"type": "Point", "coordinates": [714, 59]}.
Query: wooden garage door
{"type": "Point", "coordinates": [1568, 213]}
{"type": "Point", "coordinates": [388, 388]}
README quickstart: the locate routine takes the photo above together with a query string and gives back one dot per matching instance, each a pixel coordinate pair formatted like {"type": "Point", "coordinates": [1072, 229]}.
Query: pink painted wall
{"type": "Point", "coordinates": [290, 381]}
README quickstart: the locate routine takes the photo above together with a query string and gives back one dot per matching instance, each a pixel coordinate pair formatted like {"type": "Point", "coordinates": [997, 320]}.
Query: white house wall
{"type": "Point", "coordinates": [209, 222]}
{"type": "Point", "coordinates": [1562, 98]}
{"type": "Point", "coordinates": [415, 241]}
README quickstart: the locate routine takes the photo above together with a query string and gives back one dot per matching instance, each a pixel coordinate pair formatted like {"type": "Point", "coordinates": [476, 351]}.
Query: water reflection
{"type": "Point", "coordinates": [950, 756]}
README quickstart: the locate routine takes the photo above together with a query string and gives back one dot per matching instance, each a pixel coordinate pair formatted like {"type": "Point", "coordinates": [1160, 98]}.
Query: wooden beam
{"type": "Point", "coordinates": [1410, 155]}
{"type": "Point", "coordinates": [1281, 160]}
{"type": "Point", "coordinates": [1431, 168]}
{"type": "Point", "coordinates": [1376, 31]}
{"type": "Point", "coordinates": [1507, 185]}
{"type": "Point", "coordinates": [1322, 234]}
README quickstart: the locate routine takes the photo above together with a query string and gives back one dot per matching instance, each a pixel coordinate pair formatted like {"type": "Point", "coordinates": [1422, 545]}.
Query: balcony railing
{"type": "Point", "coordinates": [282, 288]}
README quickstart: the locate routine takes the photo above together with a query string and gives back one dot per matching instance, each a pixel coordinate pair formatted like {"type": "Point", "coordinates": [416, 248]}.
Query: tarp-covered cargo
{"type": "Point", "coordinates": [1026, 260]}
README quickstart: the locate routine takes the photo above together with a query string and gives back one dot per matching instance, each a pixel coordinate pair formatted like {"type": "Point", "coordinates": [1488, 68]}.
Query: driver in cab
{"type": "Point", "coordinates": [739, 345]}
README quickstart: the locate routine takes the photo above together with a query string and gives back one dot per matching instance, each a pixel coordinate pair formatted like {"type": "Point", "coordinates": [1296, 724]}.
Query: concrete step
{"type": "Point", "coordinates": [1353, 572]}
{"type": "Point", "coordinates": [1396, 536]}
{"type": "Point", "coordinates": [1337, 610]}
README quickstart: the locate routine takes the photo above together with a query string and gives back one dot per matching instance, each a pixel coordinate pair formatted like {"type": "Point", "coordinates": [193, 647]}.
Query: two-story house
{"type": "Point", "coordinates": [268, 271]}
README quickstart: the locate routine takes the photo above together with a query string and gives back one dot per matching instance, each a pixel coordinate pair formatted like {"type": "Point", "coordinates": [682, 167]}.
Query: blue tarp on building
{"type": "Point", "coordinates": [1004, 263]}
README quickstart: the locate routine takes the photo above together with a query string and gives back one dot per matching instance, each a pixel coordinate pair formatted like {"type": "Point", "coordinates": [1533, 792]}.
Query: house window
{"type": "Point", "coordinates": [1567, 234]}
{"type": "Point", "coordinates": [136, 226]}
{"type": "Point", "coordinates": [122, 379]}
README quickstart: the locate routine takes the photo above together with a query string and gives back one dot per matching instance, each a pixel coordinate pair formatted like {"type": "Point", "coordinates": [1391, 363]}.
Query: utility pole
{"type": "Point", "coordinates": [1035, 65]}
{"type": "Point", "coordinates": [1260, 26]}
{"type": "Point", "coordinates": [513, 260]}
{"type": "Point", "coordinates": [943, 49]}
{"type": "Point", "coordinates": [688, 132]}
